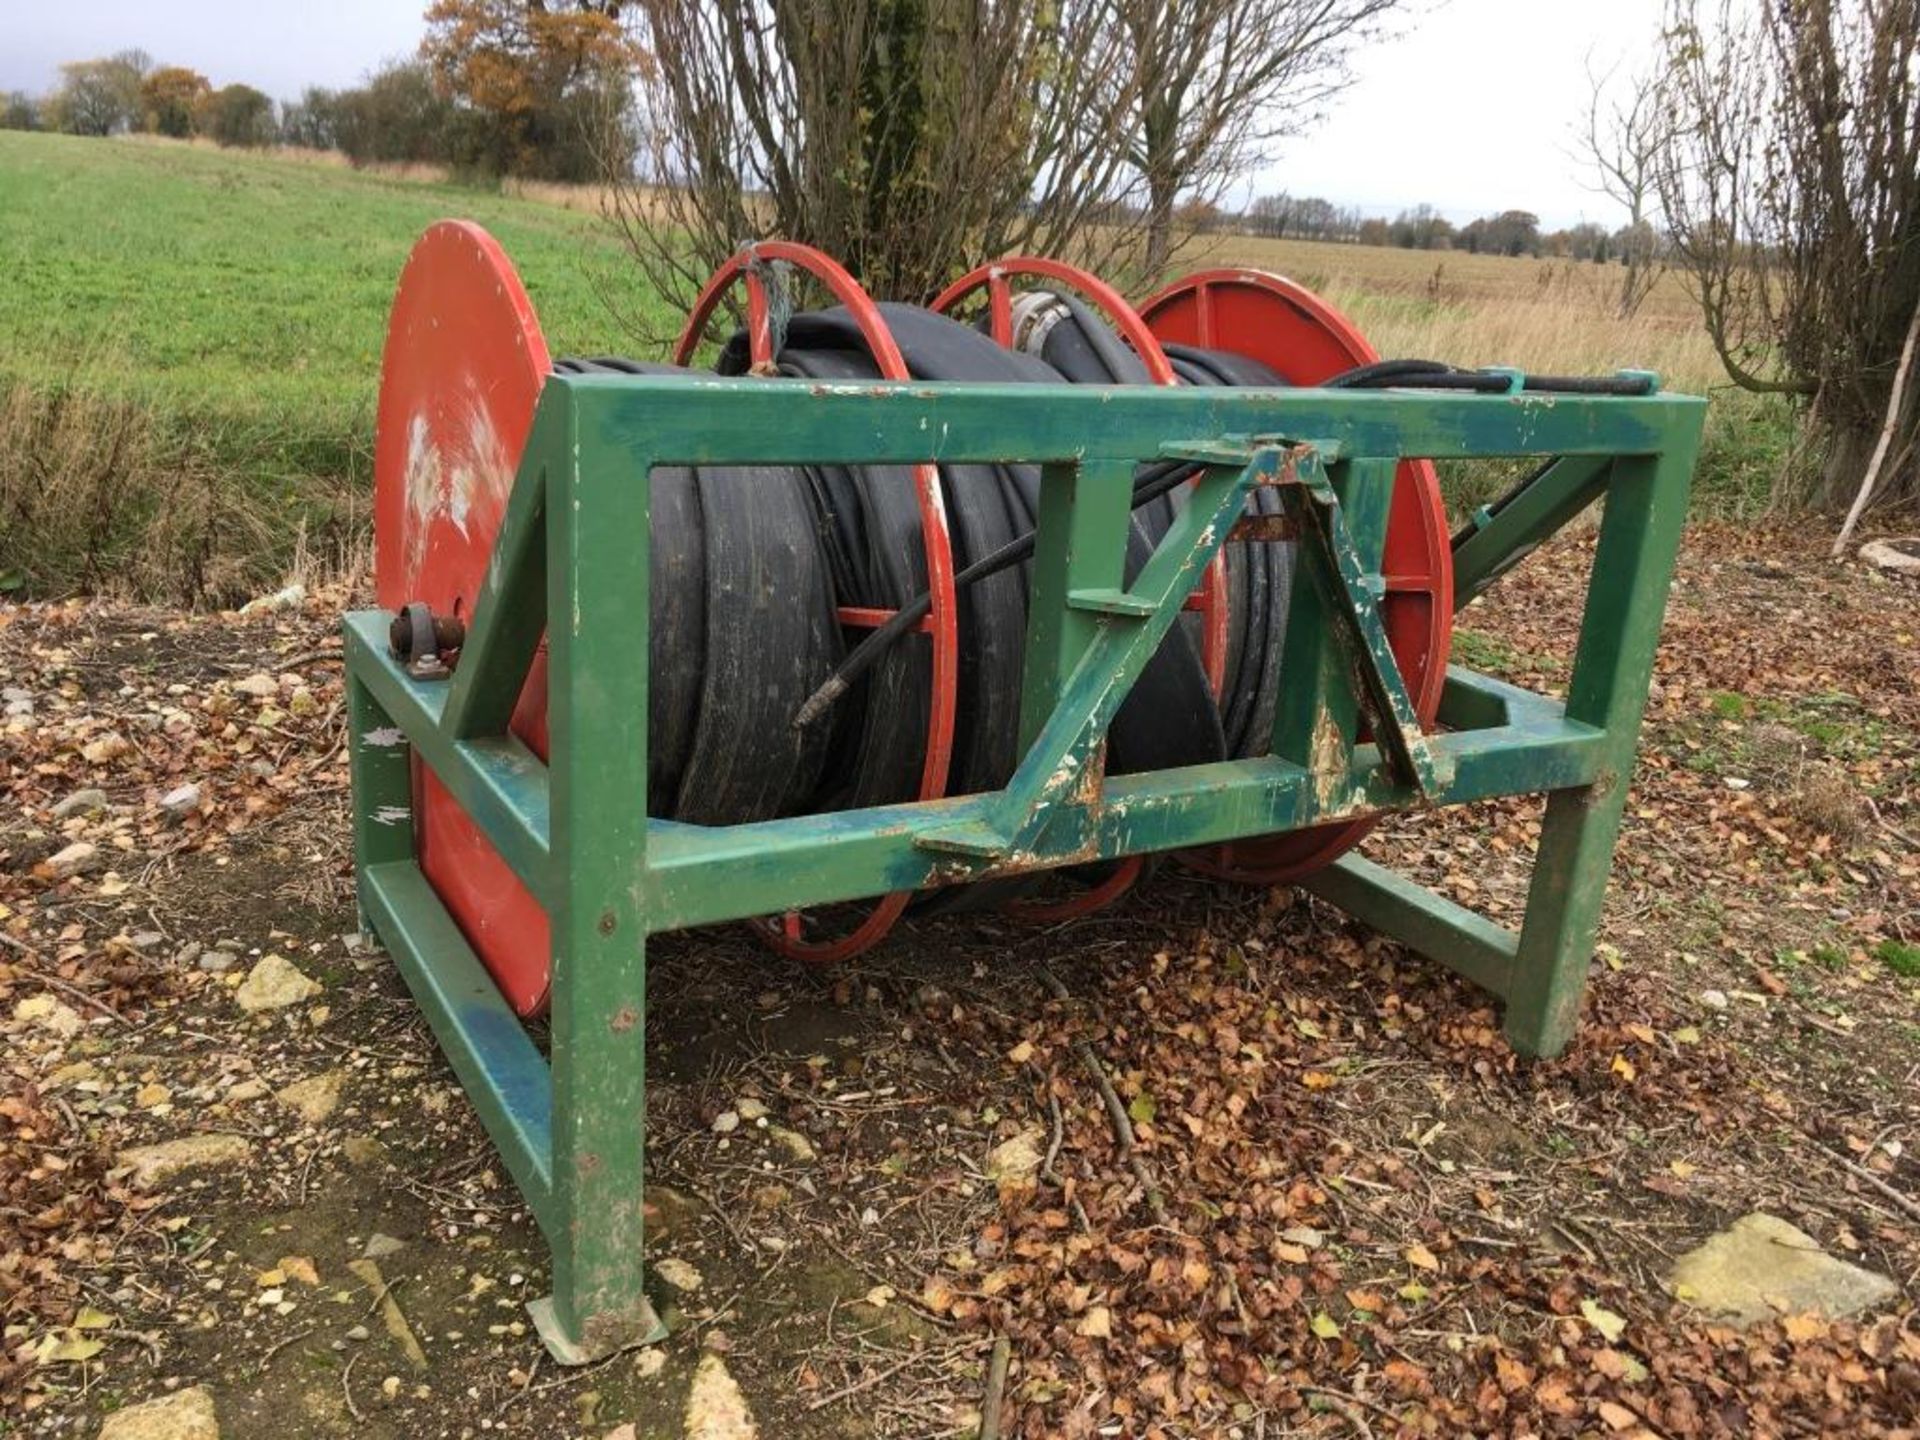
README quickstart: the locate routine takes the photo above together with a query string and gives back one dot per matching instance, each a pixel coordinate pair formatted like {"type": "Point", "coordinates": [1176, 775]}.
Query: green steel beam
{"type": "Point", "coordinates": [1369, 673]}
{"type": "Point", "coordinates": [1079, 542]}
{"type": "Point", "coordinates": [1424, 922]}
{"type": "Point", "coordinates": [482, 1037]}
{"type": "Point", "coordinates": [379, 759]}
{"type": "Point", "coordinates": [597, 555]}
{"type": "Point", "coordinates": [1612, 667]}
{"type": "Point", "coordinates": [499, 781]}
{"type": "Point", "coordinates": [1111, 658]}
{"type": "Point", "coordinates": [510, 612]}
{"type": "Point", "coordinates": [698, 876]}
{"type": "Point", "coordinates": [669, 420]}
{"type": "Point", "coordinates": [1502, 539]}
{"type": "Point", "coordinates": [497, 1064]}
{"type": "Point", "coordinates": [1472, 701]}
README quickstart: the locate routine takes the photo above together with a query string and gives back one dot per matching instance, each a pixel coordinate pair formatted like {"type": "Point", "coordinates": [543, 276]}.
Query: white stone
{"type": "Point", "coordinates": [287, 598]}
{"type": "Point", "coordinates": [1761, 1266]}
{"type": "Point", "coordinates": [183, 1415]}
{"type": "Point", "coordinates": [315, 1098]}
{"type": "Point", "coordinates": [156, 1164]}
{"type": "Point", "coordinates": [260, 685]}
{"type": "Point", "coordinates": [1901, 556]}
{"type": "Point", "coordinates": [81, 802]}
{"type": "Point", "coordinates": [678, 1273]}
{"type": "Point", "coordinates": [49, 1014]}
{"type": "Point", "coordinates": [273, 984]}
{"type": "Point", "coordinates": [716, 1410]}
{"type": "Point", "coordinates": [726, 1122]}
{"type": "Point", "coordinates": [797, 1146]}
{"type": "Point", "coordinates": [72, 860]}
{"type": "Point", "coordinates": [181, 801]}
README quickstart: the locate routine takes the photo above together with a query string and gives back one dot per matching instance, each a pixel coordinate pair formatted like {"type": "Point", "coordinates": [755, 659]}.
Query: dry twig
{"type": "Point", "coordinates": [996, 1388]}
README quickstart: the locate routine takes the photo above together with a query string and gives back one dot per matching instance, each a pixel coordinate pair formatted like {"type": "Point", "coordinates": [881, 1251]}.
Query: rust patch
{"type": "Point", "coordinates": [1327, 761]}
{"type": "Point", "coordinates": [950, 872]}
{"type": "Point", "coordinates": [624, 1019]}
{"type": "Point", "coordinates": [1264, 527]}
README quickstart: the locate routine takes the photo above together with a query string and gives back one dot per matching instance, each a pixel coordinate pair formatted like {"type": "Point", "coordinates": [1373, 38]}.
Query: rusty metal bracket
{"type": "Point", "coordinates": [1348, 592]}
{"type": "Point", "coordinates": [426, 643]}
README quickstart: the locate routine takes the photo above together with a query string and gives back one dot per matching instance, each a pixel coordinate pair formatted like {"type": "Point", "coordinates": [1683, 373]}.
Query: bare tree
{"type": "Point", "coordinates": [1792, 187]}
{"type": "Point", "coordinates": [100, 97]}
{"type": "Point", "coordinates": [1620, 141]}
{"type": "Point", "coordinates": [909, 140]}
{"type": "Point", "coordinates": [1213, 84]}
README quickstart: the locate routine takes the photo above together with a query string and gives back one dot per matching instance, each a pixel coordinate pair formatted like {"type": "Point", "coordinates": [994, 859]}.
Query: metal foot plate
{"type": "Point", "coordinates": [566, 1350]}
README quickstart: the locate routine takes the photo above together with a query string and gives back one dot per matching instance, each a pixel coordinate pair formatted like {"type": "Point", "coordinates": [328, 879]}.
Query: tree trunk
{"type": "Point", "coordinates": [1160, 198]}
{"type": "Point", "coordinates": [1848, 448]}
{"type": "Point", "coordinates": [1896, 408]}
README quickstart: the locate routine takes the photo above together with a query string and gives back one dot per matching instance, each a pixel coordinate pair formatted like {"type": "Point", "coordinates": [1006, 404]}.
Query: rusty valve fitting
{"type": "Point", "coordinates": [424, 642]}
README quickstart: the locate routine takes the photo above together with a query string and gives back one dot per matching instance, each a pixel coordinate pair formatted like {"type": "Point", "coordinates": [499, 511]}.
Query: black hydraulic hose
{"type": "Point", "coordinates": [742, 628]}
{"type": "Point", "coordinates": [1386, 372]}
{"type": "Point", "coordinates": [1434, 375]}
{"type": "Point", "coordinates": [1147, 486]}
{"type": "Point", "coordinates": [1591, 384]}
{"type": "Point", "coordinates": [1122, 365]}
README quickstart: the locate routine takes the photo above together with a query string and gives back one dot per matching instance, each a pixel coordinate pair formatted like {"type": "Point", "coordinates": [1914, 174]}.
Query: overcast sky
{"type": "Point", "coordinates": [1469, 110]}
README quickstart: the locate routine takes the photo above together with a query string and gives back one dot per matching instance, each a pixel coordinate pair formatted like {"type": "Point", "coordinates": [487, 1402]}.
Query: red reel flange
{"type": "Point", "coordinates": [751, 268]}
{"type": "Point", "coordinates": [459, 382]}
{"type": "Point", "coordinates": [1306, 341]}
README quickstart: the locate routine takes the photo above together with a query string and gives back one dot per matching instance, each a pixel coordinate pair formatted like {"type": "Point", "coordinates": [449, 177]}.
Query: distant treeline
{"type": "Point", "coordinates": [406, 112]}
{"type": "Point", "coordinates": [1511, 232]}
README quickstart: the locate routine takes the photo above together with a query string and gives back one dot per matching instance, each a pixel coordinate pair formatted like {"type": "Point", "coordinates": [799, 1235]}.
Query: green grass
{"type": "Point", "coordinates": [1900, 957]}
{"type": "Point", "coordinates": [237, 284]}
{"type": "Point", "coordinates": [227, 311]}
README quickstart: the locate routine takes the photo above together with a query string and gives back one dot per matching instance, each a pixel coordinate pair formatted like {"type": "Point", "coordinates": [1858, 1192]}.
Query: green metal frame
{"type": "Point", "coordinates": [567, 564]}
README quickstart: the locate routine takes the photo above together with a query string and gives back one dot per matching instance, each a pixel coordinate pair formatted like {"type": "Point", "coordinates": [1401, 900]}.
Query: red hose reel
{"type": "Point", "coordinates": [462, 372]}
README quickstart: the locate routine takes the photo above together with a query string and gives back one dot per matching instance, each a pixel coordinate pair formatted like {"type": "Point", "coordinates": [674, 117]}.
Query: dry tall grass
{"type": "Point", "coordinates": [415, 172]}
{"type": "Point", "coordinates": [1550, 316]}
{"type": "Point", "coordinates": [102, 494]}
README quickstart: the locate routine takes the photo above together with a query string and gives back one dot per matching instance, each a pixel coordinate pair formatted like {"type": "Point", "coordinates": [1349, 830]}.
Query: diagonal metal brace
{"type": "Point", "coordinates": [1132, 625]}
{"type": "Point", "coordinates": [1348, 594]}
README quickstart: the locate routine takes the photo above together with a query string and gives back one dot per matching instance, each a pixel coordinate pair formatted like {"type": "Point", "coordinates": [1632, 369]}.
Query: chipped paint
{"type": "Point", "coordinates": [460, 479]}
{"type": "Point", "coordinates": [384, 737]}
{"type": "Point", "coordinates": [421, 487]}
{"type": "Point", "coordinates": [392, 815]}
{"type": "Point", "coordinates": [1327, 760]}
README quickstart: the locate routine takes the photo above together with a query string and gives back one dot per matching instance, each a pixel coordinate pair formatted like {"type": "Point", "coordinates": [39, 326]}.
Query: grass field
{"type": "Point", "coordinates": [190, 345]}
{"type": "Point", "coordinates": [238, 287]}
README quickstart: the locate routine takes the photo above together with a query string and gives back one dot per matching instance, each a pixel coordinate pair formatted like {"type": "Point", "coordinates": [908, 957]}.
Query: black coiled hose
{"type": "Point", "coordinates": [758, 708]}
{"type": "Point", "coordinates": [750, 564]}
